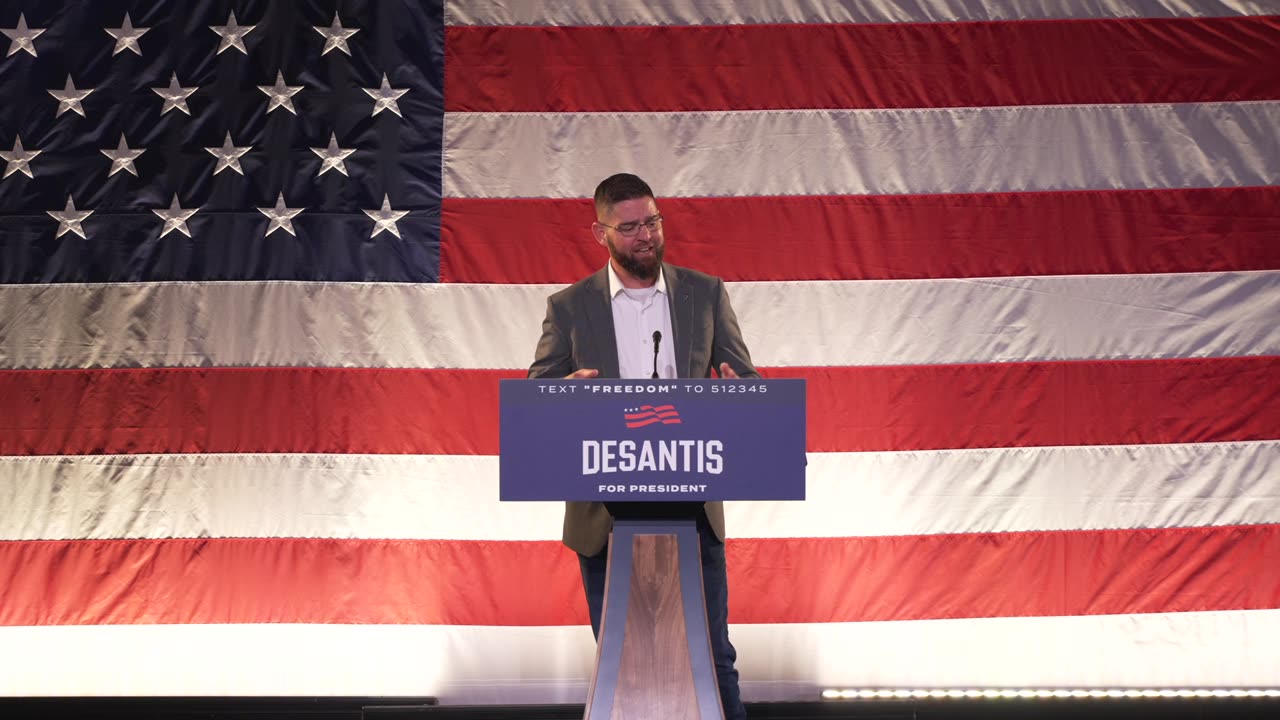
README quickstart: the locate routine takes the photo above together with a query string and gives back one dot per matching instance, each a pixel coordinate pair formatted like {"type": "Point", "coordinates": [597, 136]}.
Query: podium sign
{"type": "Point", "coordinates": [646, 447]}
{"type": "Point", "coordinates": [652, 440]}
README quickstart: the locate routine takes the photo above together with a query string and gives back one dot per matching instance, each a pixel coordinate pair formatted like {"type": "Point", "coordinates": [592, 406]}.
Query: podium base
{"type": "Point", "coordinates": [654, 656]}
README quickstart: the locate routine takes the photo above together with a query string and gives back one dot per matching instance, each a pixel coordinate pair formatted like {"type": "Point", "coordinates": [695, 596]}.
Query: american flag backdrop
{"type": "Point", "coordinates": [263, 264]}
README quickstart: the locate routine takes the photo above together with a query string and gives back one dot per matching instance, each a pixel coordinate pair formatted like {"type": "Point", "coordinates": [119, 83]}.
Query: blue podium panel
{"type": "Point", "coordinates": [652, 440]}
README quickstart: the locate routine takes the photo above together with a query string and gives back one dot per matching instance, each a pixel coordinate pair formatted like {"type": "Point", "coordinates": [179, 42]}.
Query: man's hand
{"type": "Point", "coordinates": [727, 372]}
{"type": "Point", "coordinates": [585, 373]}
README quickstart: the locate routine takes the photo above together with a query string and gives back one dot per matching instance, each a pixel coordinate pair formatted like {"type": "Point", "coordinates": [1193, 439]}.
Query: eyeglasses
{"type": "Point", "coordinates": [631, 229]}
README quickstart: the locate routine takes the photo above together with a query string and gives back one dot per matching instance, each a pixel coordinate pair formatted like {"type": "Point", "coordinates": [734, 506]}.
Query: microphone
{"type": "Point", "coordinates": [657, 338]}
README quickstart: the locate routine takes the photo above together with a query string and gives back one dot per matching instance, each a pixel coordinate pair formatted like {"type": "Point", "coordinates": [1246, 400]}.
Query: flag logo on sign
{"type": "Point", "coordinates": [650, 414]}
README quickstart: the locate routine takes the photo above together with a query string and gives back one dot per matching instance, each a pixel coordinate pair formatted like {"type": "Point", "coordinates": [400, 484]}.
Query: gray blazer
{"type": "Point", "coordinates": [578, 333]}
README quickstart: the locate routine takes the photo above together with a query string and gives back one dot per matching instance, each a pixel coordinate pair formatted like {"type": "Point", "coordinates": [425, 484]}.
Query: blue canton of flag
{"type": "Point", "coordinates": [221, 141]}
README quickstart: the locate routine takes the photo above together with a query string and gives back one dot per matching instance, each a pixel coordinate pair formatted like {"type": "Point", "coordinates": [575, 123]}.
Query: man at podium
{"type": "Point", "coordinates": [638, 317]}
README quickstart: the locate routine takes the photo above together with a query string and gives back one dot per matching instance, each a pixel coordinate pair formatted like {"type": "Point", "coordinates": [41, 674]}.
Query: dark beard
{"type": "Point", "coordinates": [636, 267]}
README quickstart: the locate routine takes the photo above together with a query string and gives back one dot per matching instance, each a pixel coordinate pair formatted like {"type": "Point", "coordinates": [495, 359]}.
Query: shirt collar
{"type": "Point", "coordinates": [615, 283]}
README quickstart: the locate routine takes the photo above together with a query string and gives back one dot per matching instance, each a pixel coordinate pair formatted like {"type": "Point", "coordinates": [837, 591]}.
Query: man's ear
{"type": "Point", "coordinates": [598, 230]}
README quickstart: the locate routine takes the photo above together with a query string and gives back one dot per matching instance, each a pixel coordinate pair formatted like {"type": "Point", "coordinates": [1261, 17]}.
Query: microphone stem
{"type": "Point", "coordinates": [657, 337]}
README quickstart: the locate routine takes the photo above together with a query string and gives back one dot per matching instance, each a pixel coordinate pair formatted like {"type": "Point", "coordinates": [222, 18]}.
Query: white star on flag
{"type": "Point", "coordinates": [175, 96]}
{"type": "Point", "coordinates": [18, 159]}
{"type": "Point", "coordinates": [228, 155]}
{"type": "Point", "coordinates": [70, 218]}
{"type": "Point", "coordinates": [24, 37]}
{"type": "Point", "coordinates": [280, 94]}
{"type": "Point", "coordinates": [232, 34]}
{"type": "Point", "coordinates": [175, 218]}
{"type": "Point", "coordinates": [332, 156]}
{"type": "Point", "coordinates": [335, 36]}
{"type": "Point", "coordinates": [384, 97]}
{"type": "Point", "coordinates": [122, 158]}
{"type": "Point", "coordinates": [126, 37]}
{"type": "Point", "coordinates": [69, 98]}
{"type": "Point", "coordinates": [385, 219]}
{"type": "Point", "coordinates": [281, 217]}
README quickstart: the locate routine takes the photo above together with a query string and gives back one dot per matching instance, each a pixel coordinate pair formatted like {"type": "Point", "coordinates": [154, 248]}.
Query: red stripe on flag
{"type": "Point", "coordinates": [390, 411]}
{"type": "Point", "coordinates": [1100, 572]}
{"type": "Point", "coordinates": [305, 410]}
{"type": "Point", "coordinates": [1117, 402]}
{"type": "Point", "coordinates": [884, 236]}
{"type": "Point", "coordinates": [892, 65]}
{"type": "Point", "coordinates": [289, 580]}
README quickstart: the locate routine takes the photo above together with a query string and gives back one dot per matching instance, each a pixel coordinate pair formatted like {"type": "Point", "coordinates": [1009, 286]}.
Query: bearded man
{"type": "Point", "coordinates": [604, 326]}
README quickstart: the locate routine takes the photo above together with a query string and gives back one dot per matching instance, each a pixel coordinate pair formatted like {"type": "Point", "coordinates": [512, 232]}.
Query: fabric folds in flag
{"type": "Point", "coordinates": [263, 266]}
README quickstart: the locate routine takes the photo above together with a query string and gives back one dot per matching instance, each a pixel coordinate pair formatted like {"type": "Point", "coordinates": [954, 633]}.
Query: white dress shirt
{"type": "Point", "coordinates": [636, 314]}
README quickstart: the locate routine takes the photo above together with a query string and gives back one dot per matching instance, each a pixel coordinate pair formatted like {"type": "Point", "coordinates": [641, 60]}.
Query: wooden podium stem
{"type": "Point", "coordinates": [654, 658]}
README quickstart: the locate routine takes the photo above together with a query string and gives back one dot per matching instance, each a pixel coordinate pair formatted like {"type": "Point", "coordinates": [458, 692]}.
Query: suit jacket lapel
{"type": "Point", "coordinates": [599, 315]}
{"type": "Point", "coordinates": [681, 304]}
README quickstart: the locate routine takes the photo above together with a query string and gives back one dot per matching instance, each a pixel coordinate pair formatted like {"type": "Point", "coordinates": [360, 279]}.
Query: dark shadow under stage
{"type": "Point", "coordinates": [336, 708]}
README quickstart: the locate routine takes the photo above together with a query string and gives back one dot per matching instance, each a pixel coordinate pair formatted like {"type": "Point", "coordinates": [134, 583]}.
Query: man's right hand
{"type": "Point", "coordinates": [583, 373]}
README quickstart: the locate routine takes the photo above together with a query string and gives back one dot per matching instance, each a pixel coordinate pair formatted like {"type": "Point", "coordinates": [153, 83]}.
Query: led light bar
{"type": "Point", "coordinates": [1025, 693]}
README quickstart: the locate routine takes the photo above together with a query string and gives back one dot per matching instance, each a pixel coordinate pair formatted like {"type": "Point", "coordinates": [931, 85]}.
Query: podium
{"type": "Point", "coordinates": [653, 451]}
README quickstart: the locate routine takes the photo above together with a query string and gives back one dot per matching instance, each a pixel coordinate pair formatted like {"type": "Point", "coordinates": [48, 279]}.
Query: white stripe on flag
{"type": "Point", "coordinates": [448, 497]}
{"type": "Point", "coordinates": [760, 12]}
{"type": "Point", "coordinates": [880, 322]}
{"type": "Point", "coordinates": [552, 665]}
{"type": "Point", "coordinates": [872, 152]}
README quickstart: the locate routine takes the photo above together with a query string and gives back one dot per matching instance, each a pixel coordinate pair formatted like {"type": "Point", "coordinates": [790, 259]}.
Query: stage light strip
{"type": "Point", "coordinates": [1024, 693]}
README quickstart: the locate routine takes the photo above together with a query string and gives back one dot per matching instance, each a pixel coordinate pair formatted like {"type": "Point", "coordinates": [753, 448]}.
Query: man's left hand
{"type": "Point", "coordinates": [727, 372]}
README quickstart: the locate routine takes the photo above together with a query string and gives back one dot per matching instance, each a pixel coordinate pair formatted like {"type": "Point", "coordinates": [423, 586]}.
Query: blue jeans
{"type": "Point", "coordinates": [716, 586]}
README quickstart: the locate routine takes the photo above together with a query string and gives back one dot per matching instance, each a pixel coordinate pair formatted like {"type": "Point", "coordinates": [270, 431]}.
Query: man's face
{"type": "Point", "coordinates": [639, 253]}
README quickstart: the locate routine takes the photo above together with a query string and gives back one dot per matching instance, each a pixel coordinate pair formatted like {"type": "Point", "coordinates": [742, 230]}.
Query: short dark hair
{"type": "Point", "coordinates": [620, 188]}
